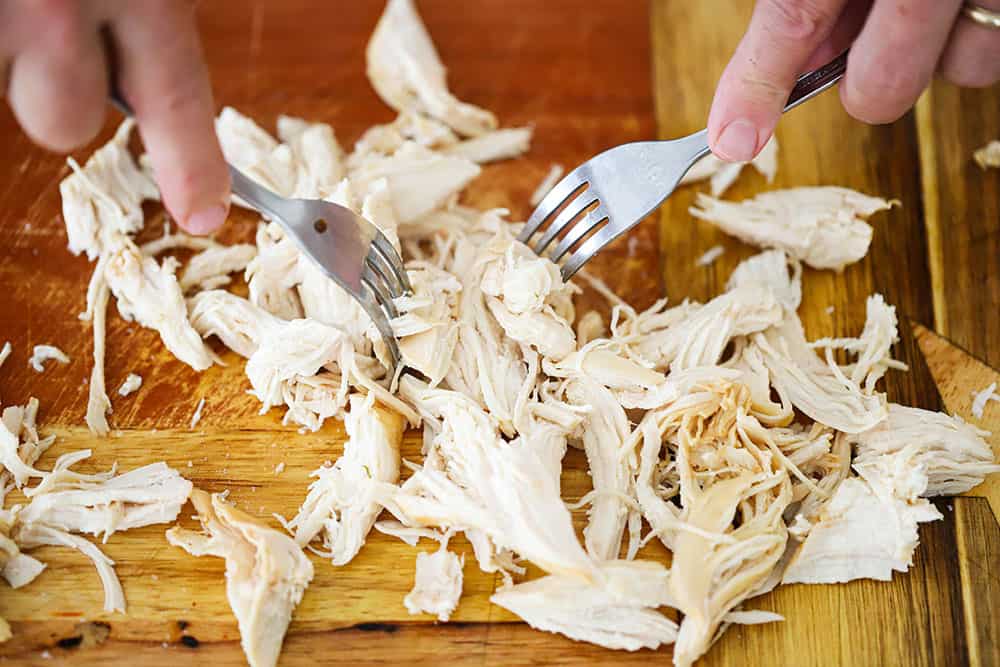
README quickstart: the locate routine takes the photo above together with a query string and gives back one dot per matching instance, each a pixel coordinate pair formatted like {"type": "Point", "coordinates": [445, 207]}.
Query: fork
{"type": "Point", "coordinates": [619, 187]}
{"type": "Point", "coordinates": [347, 248]}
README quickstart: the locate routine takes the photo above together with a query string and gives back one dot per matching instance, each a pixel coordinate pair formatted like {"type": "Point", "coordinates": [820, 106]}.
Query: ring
{"type": "Point", "coordinates": [984, 17]}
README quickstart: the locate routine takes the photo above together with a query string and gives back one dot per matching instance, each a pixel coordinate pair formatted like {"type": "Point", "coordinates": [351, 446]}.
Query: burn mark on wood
{"type": "Point", "coordinates": [190, 641]}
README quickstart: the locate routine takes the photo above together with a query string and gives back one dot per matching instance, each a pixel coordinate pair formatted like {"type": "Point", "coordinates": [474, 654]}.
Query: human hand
{"type": "Point", "coordinates": [54, 69]}
{"type": "Point", "coordinates": [896, 47]}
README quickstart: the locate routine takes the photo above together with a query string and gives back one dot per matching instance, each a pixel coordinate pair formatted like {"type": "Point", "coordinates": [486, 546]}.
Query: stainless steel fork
{"type": "Point", "coordinates": [619, 187]}
{"type": "Point", "coordinates": [350, 250]}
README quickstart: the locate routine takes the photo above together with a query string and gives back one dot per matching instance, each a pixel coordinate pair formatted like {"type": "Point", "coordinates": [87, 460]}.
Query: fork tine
{"type": "Point", "coordinates": [591, 247]}
{"type": "Point", "coordinates": [373, 277]}
{"type": "Point", "coordinates": [392, 258]}
{"type": "Point", "coordinates": [371, 304]}
{"type": "Point", "coordinates": [578, 231]}
{"type": "Point", "coordinates": [378, 263]}
{"type": "Point", "coordinates": [573, 209]}
{"type": "Point", "coordinates": [553, 200]}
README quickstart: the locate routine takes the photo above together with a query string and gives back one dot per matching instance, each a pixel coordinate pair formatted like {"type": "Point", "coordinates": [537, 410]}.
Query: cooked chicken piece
{"type": "Point", "coordinates": [872, 347]}
{"type": "Point", "coordinates": [104, 197]}
{"type": "Point", "coordinates": [724, 174]}
{"type": "Point", "coordinates": [256, 153]}
{"type": "Point", "coordinates": [709, 256]}
{"type": "Point", "coordinates": [151, 494]}
{"type": "Point", "coordinates": [426, 327]}
{"type": "Point", "coordinates": [210, 268]}
{"type": "Point", "coordinates": [406, 72]}
{"type": "Point", "coordinates": [266, 572]}
{"type": "Point", "coordinates": [988, 155]}
{"type": "Point", "coordinates": [437, 584]}
{"type": "Point", "coordinates": [980, 399]}
{"type": "Point", "coordinates": [239, 324]}
{"type": "Point", "coordinates": [196, 416]}
{"type": "Point", "coordinates": [381, 140]}
{"type": "Point", "coordinates": [616, 611]}
{"type": "Point", "coordinates": [697, 335]}
{"type": "Point", "coordinates": [556, 172]}
{"type": "Point", "coordinates": [98, 403]}
{"type": "Point", "coordinates": [603, 432]}
{"type": "Point", "coordinates": [317, 154]}
{"type": "Point", "coordinates": [5, 352]}
{"type": "Point", "coordinates": [131, 384]}
{"type": "Point", "coordinates": [954, 454]}
{"type": "Point", "coordinates": [409, 534]}
{"type": "Point", "coordinates": [528, 297]}
{"type": "Point", "coordinates": [473, 479]}
{"type": "Point", "coordinates": [43, 353]}
{"type": "Point", "coordinates": [589, 327]}
{"type": "Point", "coordinates": [420, 180]}
{"type": "Point", "coordinates": [31, 536]}
{"type": "Point", "coordinates": [296, 350]}
{"type": "Point", "coordinates": [822, 226]}
{"type": "Point", "coordinates": [176, 240]}
{"type": "Point", "coordinates": [819, 390]}
{"type": "Point", "coordinates": [772, 269]}
{"type": "Point", "coordinates": [859, 534]}
{"type": "Point", "coordinates": [494, 145]}
{"type": "Point", "coordinates": [273, 274]}
{"type": "Point", "coordinates": [148, 293]}
{"type": "Point", "coordinates": [341, 504]}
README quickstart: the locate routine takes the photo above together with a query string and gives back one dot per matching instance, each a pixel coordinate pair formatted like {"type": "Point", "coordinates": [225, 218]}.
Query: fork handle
{"type": "Point", "coordinates": [811, 84]}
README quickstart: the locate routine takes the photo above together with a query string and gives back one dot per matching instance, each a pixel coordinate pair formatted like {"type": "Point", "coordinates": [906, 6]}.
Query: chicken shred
{"type": "Point", "coordinates": [756, 456]}
{"type": "Point", "coordinates": [437, 584]}
{"type": "Point", "coordinates": [42, 353]}
{"type": "Point", "coordinates": [722, 175]}
{"type": "Point", "coordinates": [131, 384]}
{"type": "Point", "coordinates": [266, 572]}
{"type": "Point", "coordinates": [988, 155]}
{"type": "Point", "coordinates": [822, 226]}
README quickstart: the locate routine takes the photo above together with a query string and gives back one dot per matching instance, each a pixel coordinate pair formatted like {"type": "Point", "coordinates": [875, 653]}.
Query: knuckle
{"type": "Point", "coordinates": [796, 19]}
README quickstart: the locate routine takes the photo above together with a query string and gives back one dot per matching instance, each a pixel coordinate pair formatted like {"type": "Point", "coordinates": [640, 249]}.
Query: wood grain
{"type": "Point", "coordinates": [587, 77]}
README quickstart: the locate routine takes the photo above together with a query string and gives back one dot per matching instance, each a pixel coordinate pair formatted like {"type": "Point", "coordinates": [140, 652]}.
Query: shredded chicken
{"type": "Point", "coordinates": [988, 155]}
{"type": "Point", "coordinates": [131, 384]}
{"type": "Point", "coordinates": [980, 399]}
{"type": "Point", "coordinates": [555, 173]}
{"type": "Point", "coordinates": [406, 72]}
{"type": "Point", "coordinates": [822, 226]}
{"type": "Point", "coordinates": [341, 506]}
{"type": "Point", "coordinates": [437, 584]}
{"type": "Point", "coordinates": [43, 353]}
{"type": "Point", "coordinates": [266, 572]}
{"type": "Point", "coordinates": [196, 416]}
{"type": "Point", "coordinates": [754, 455]}
{"type": "Point", "coordinates": [709, 256]}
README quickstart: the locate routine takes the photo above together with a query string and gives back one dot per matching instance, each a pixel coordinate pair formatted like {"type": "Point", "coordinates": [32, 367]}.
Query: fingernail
{"type": "Point", "coordinates": [738, 141]}
{"type": "Point", "coordinates": [206, 220]}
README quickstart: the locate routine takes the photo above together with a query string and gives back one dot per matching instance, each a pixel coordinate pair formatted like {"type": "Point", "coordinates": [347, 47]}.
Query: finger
{"type": "Point", "coordinates": [164, 79]}
{"type": "Point", "coordinates": [58, 84]}
{"type": "Point", "coordinates": [972, 56]}
{"type": "Point", "coordinates": [754, 87]}
{"type": "Point", "coordinates": [894, 57]}
{"type": "Point", "coordinates": [844, 32]}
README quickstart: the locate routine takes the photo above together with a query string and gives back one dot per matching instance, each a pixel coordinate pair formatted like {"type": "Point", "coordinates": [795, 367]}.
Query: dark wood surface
{"type": "Point", "coordinates": [587, 76]}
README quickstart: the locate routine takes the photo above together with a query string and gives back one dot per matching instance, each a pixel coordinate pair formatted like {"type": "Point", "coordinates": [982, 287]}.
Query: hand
{"type": "Point", "coordinates": [896, 46]}
{"type": "Point", "coordinates": [53, 67]}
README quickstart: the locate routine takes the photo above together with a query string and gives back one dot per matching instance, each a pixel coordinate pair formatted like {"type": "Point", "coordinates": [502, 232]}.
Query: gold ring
{"type": "Point", "coordinates": [984, 17]}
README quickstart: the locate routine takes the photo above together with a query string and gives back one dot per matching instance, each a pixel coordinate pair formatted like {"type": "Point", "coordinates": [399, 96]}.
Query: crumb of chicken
{"type": "Point", "coordinates": [43, 353]}
{"type": "Point", "coordinates": [555, 172]}
{"type": "Point", "coordinates": [980, 399]}
{"type": "Point", "coordinates": [988, 155]}
{"type": "Point", "coordinates": [710, 255]}
{"type": "Point", "coordinates": [5, 352]}
{"type": "Point", "coordinates": [131, 384]}
{"type": "Point", "coordinates": [280, 468]}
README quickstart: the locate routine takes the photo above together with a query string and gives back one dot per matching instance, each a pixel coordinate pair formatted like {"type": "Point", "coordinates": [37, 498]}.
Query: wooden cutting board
{"type": "Point", "coordinates": [587, 76]}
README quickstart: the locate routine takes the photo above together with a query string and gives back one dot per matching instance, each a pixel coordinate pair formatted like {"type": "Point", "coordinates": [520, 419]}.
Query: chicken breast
{"type": "Point", "coordinates": [266, 572]}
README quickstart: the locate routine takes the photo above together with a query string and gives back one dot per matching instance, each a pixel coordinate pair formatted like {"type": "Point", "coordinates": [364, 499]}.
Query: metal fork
{"type": "Point", "coordinates": [624, 184]}
{"type": "Point", "coordinates": [347, 248]}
